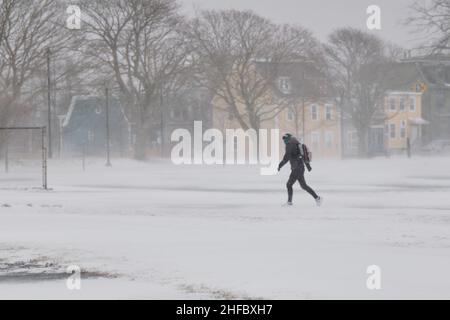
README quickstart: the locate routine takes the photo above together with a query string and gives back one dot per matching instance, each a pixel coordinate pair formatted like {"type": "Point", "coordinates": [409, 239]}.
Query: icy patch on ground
{"type": "Point", "coordinates": [18, 264]}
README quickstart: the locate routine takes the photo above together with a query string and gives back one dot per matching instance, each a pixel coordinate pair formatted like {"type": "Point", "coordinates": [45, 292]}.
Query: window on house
{"type": "Point", "coordinates": [412, 104]}
{"type": "Point", "coordinates": [329, 140]}
{"type": "Point", "coordinates": [392, 105]}
{"type": "Point", "coordinates": [392, 131]}
{"type": "Point", "coordinates": [403, 129]}
{"type": "Point", "coordinates": [90, 136]}
{"type": "Point", "coordinates": [314, 112]}
{"type": "Point", "coordinates": [402, 104]}
{"type": "Point", "coordinates": [290, 115]}
{"type": "Point", "coordinates": [284, 83]}
{"type": "Point", "coordinates": [328, 112]}
{"type": "Point", "coordinates": [315, 137]}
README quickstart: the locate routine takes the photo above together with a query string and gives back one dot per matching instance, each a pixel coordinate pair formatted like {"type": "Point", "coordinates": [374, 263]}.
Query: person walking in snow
{"type": "Point", "coordinates": [298, 156]}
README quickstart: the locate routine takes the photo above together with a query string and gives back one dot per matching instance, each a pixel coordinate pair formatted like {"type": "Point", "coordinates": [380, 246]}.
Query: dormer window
{"type": "Point", "coordinates": [284, 84]}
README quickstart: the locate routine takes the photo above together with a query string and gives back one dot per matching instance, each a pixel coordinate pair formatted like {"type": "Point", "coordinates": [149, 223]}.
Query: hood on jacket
{"type": "Point", "coordinates": [294, 140]}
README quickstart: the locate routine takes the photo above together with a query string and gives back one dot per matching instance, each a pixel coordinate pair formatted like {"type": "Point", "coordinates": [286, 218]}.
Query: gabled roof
{"type": "Point", "coordinates": [306, 79]}
{"type": "Point", "coordinates": [401, 76]}
{"type": "Point", "coordinates": [85, 109]}
{"type": "Point", "coordinates": [434, 69]}
{"type": "Point", "coordinates": [76, 101]}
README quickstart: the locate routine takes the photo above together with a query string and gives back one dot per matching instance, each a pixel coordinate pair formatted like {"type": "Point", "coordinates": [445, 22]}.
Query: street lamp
{"type": "Point", "coordinates": [49, 106]}
{"type": "Point", "coordinates": [162, 124]}
{"type": "Point", "coordinates": [61, 119]}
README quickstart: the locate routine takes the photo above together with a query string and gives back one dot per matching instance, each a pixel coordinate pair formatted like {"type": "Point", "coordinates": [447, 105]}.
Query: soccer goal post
{"type": "Point", "coordinates": [25, 145]}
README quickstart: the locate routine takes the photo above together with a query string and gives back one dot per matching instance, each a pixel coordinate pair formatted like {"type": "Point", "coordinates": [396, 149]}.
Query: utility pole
{"type": "Point", "coordinates": [49, 110]}
{"type": "Point", "coordinates": [108, 144]}
{"type": "Point", "coordinates": [60, 130]}
{"type": "Point", "coordinates": [44, 159]}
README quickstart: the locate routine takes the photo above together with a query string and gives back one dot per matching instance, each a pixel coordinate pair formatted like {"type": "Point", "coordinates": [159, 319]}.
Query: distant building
{"type": "Point", "coordinates": [430, 75]}
{"type": "Point", "coordinates": [321, 122]}
{"type": "Point", "coordinates": [84, 127]}
{"type": "Point", "coordinates": [415, 108]}
{"type": "Point", "coordinates": [404, 123]}
{"type": "Point", "coordinates": [305, 109]}
{"type": "Point", "coordinates": [350, 138]}
{"type": "Point", "coordinates": [179, 112]}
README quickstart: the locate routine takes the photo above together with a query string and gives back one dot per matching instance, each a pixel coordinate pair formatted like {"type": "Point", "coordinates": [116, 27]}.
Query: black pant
{"type": "Point", "coordinates": [298, 174]}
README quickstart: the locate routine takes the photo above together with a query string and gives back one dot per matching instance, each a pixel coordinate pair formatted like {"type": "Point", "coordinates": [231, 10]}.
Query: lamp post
{"type": "Point", "coordinates": [162, 118]}
{"type": "Point", "coordinates": [108, 144]}
{"type": "Point", "coordinates": [60, 127]}
{"type": "Point", "coordinates": [49, 107]}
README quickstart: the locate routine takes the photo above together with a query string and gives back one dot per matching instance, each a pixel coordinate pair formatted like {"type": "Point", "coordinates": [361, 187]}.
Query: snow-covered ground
{"type": "Point", "coordinates": [159, 231]}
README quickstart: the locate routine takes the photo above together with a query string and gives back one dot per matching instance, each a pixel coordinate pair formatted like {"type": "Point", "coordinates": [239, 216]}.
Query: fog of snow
{"type": "Point", "coordinates": [159, 231]}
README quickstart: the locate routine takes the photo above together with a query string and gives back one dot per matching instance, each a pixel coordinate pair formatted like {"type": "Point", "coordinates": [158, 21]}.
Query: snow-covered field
{"type": "Point", "coordinates": [159, 231]}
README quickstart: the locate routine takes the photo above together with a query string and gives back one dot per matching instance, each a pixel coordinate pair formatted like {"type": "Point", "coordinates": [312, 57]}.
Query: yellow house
{"type": "Point", "coordinates": [404, 120]}
{"type": "Point", "coordinates": [320, 120]}
{"type": "Point", "coordinates": [314, 121]}
{"type": "Point", "coordinates": [319, 124]}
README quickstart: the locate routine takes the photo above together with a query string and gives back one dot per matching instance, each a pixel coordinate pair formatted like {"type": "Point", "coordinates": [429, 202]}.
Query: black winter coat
{"type": "Point", "coordinates": [292, 155]}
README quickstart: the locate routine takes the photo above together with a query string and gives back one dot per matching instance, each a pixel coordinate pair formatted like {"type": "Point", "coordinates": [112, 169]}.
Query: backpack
{"type": "Point", "coordinates": [305, 153]}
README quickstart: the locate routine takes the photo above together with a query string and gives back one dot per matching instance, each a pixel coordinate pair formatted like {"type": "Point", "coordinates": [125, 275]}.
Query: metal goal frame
{"type": "Point", "coordinates": [43, 148]}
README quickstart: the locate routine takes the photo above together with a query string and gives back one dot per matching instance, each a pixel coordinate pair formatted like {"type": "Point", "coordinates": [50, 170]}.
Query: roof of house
{"type": "Point", "coordinates": [431, 70]}
{"type": "Point", "coordinates": [75, 102]}
{"type": "Point", "coordinates": [88, 110]}
{"type": "Point", "coordinates": [305, 78]}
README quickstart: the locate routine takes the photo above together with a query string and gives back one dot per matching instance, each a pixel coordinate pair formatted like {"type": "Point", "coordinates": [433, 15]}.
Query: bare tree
{"type": "Point", "coordinates": [29, 28]}
{"type": "Point", "coordinates": [239, 54]}
{"type": "Point", "coordinates": [137, 41]}
{"type": "Point", "coordinates": [359, 75]}
{"type": "Point", "coordinates": [5, 14]}
{"type": "Point", "coordinates": [433, 18]}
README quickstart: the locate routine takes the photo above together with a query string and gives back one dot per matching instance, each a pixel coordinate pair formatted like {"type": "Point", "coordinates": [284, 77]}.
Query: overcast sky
{"type": "Point", "coordinates": [322, 16]}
